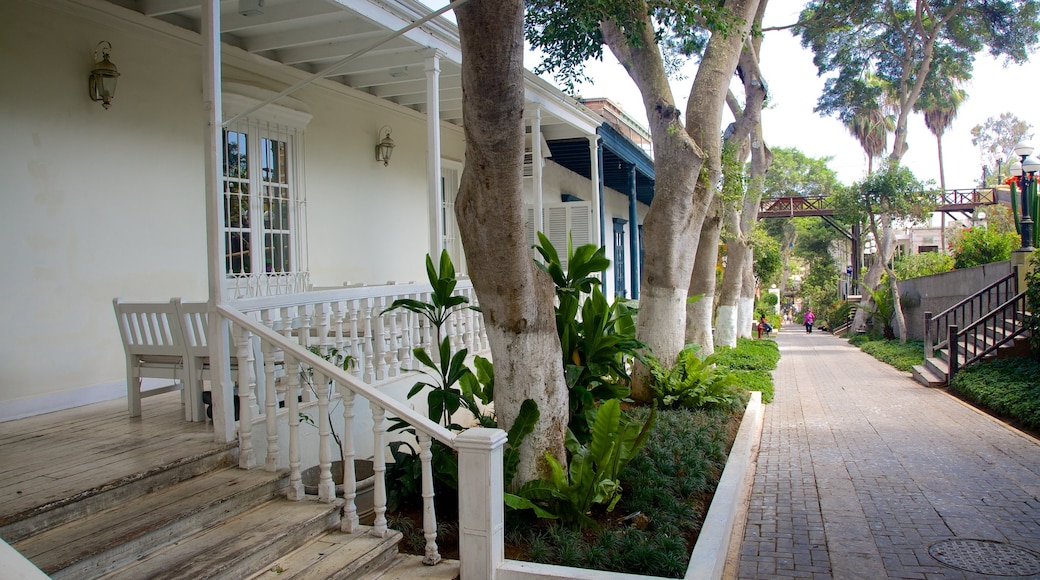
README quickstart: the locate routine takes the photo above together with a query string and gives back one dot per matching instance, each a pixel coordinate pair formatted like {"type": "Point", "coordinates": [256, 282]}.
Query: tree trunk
{"type": "Point", "coordinates": [746, 306]}
{"type": "Point", "coordinates": [672, 225]}
{"type": "Point", "coordinates": [515, 296]}
{"type": "Point", "coordinates": [702, 283]}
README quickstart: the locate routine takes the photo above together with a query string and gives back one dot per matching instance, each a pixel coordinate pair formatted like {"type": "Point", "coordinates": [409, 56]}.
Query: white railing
{"type": "Point", "coordinates": [354, 321]}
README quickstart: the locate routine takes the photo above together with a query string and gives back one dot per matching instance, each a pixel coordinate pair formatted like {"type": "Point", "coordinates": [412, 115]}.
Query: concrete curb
{"type": "Point", "coordinates": [709, 557]}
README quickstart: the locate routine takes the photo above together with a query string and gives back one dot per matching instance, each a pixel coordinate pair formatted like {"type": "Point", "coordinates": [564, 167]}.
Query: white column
{"type": "Point", "coordinates": [218, 336]}
{"type": "Point", "coordinates": [536, 167]}
{"type": "Point", "coordinates": [482, 514]}
{"type": "Point", "coordinates": [597, 223]}
{"type": "Point", "coordinates": [433, 152]}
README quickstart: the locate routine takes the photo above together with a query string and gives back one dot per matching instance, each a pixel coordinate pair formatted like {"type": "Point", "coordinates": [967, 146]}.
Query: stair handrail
{"type": "Point", "coordinates": [349, 386]}
{"type": "Point", "coordinates": [964, 313]}
{"type": "Point", "coordinates": [1009, 317]}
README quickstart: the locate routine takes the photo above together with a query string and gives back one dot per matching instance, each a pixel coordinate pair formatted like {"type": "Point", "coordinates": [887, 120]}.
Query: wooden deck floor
{"type": "Point", "coordinates": [51, 457]}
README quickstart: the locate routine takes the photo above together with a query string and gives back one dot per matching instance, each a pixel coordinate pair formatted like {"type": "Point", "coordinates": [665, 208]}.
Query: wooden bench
{"type": "Point", "coordinates": [155, 348]}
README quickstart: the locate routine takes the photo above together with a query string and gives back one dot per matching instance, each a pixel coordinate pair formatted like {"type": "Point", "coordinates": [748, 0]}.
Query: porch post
{"type": "Point", "coordinates": [433, 152]}
{"type": "Point", "coordinates": [536, 168]}
{"type": "Point", "coordinates": [597, 191]}
{"type": "Point", "coordinates": [482, 515]}
{"type": "Point", "coordinates": [633, 231]}
{"type": "Point", "coordinates": [218, 336]}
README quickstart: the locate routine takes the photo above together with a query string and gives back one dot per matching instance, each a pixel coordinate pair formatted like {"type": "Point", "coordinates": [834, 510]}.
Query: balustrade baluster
{"type": "Point", "coordinates": [295, 490]}
{"type": "Point", "coordinates": [337, 326]}
{"type": "Point", "coordinates": [379, 470]}
{"type": "Point", "coordinates": [349, 523]}
{"type": "Point", "coordinates": [355, 346]}
{"type": "Point", "coordinates": [429, 515]}
{"type": "Point", "coordinates": [270, 398]}
{"type": "Point", "coordinates": [394, 346]}
{"type": "Point", "coordinates": [366, 313]}
{"type": "Point", "coordinates": [380, 348]}
{"type": "Point", "coordinates": [326, 487]}
{"type": "Point", "coordinates": [246, 397]}
{"type": "Point", "coordinates": [321, 323]}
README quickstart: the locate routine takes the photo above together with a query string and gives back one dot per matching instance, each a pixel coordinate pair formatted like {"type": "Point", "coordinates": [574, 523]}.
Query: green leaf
{"type": "Point", "coordinates": [520, 503]}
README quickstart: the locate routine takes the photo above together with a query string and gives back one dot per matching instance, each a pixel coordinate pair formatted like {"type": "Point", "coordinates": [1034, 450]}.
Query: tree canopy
{"type": "Point", "coordinates": [908, 46]}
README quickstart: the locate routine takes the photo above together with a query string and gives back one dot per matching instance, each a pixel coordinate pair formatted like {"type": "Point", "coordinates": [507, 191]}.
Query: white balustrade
{"type": "Point", "coordinates": [353, 322]}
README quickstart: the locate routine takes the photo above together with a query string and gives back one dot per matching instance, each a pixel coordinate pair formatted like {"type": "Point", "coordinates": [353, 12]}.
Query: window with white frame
{"type": "Point", "coordinates": [263, 197]}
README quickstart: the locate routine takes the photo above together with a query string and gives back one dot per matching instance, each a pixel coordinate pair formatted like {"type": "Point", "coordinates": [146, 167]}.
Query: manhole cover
{"type": "Point", "coordinates": [986, 557]}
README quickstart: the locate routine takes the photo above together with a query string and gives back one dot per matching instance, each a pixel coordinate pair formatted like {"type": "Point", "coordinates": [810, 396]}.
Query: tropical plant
{"type": "Point", "coordinates": [882, 309]}
{"type": "Point", "coordinates": [597, 340]}
{"type": "Point", "coordinates": [451, 386]}
{"type": "Point", "coordinates": [594, 468]}
{"type": "Point", "coordinates": [693, 382]}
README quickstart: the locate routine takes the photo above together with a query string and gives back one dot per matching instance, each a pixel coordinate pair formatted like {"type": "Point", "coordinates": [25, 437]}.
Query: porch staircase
{"type": "Point", "coordinates": [988, 324]}
{"type": "Point", "coordinates": [205, 518]}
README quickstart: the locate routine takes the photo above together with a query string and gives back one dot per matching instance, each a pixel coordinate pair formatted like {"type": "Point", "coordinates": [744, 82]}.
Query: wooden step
{"type": "Point", "coordinates": [34, 520]}
{"type": "Point", "coordinates": [938, 365]}
{"type": "Point", "coordinates": [238, 546]}
{"type": "Point", "coordinates": [105, 540]}
{"type": "Point", "coordinates": [927, 377]}
{"type": "Point", "coordinates": [407, 567]}
{"type": "Point", "coordinates": [336, 555]}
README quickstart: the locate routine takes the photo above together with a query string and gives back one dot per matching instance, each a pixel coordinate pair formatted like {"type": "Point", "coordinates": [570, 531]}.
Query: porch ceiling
{"type": "Point", "coordinates": [313, 35]}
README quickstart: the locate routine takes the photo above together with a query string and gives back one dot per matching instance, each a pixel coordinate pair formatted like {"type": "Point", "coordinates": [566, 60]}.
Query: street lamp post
{"type": "Point", "coordinates": [1025, 170]}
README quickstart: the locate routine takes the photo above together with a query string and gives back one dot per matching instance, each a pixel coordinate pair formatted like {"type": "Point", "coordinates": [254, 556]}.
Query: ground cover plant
{"type": "Point", "coordinates": [902, 356]}
{"type": "Point", "coordinates": [1009, 388]}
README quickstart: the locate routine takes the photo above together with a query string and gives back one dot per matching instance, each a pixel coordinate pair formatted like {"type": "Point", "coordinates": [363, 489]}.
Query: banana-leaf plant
{"type": "Point", "coordinates": [591, 478]}
{"type": "Point", "coordinates": [597, 339]}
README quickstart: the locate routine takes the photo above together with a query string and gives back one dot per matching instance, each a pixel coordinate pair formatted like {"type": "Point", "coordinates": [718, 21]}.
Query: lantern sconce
{"type": "Point", "coordinates": [385, 148]}
{"type": "Point", "coordinates": [102, 80]}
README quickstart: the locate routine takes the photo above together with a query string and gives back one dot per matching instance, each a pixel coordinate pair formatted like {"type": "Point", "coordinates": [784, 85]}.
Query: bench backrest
{"type": "Point", "coordinates": [149, 329]}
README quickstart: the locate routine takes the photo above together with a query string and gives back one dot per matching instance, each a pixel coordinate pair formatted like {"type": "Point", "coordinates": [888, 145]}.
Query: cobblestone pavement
{"type": "Point", "coordinates": [863, 473]}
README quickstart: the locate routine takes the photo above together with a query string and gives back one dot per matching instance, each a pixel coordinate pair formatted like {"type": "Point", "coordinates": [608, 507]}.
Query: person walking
{"type": "Point", "coordinates": [809, 319]}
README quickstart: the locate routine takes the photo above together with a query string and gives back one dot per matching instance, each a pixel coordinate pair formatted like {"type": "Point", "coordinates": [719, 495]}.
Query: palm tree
{"type": "Point", "coordinates": [940, 109]}
{"type": "Point", "coordinates": [870, 125]}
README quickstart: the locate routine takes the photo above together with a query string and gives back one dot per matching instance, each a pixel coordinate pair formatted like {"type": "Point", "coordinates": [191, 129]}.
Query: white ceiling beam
{"type": "Point", "coordinates": [340, 30]}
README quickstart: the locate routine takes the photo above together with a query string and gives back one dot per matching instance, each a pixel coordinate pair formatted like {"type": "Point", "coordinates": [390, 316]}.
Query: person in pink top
{"type": "Point", "coordinates": [809, 319]}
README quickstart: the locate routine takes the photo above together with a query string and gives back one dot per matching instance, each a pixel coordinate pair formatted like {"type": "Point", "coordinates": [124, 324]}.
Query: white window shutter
{"type": "Point", "coordinates": [559, 220]}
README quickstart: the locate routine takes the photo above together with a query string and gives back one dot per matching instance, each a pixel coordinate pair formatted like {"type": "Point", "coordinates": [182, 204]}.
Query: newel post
{"type": "Point", "coordinates": [928, 345]}
{"type": "Point", "coordinates": [951, 346]}
{"type": "Point", "coordinates": [482, 514]}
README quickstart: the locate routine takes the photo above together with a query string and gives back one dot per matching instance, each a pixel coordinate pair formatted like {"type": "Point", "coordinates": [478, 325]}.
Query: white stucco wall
{"type": "Point", "coordinates": [105, 203]}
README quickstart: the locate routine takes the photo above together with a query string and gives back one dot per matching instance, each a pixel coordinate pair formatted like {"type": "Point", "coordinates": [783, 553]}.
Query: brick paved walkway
{"type": "Point", "coordinates": [862, 470]}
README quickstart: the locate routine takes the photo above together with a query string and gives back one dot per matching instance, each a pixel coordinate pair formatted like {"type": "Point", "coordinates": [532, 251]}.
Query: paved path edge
{"type": "Point", "coordinates": [723, 527]}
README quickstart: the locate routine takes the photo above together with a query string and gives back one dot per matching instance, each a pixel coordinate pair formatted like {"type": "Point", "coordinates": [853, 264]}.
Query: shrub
{"type": "Point", "coordinates": [902, 356]}
{"type": "Point", "coordinates": [926, 264]}
{"type": "Point", "coordinates": [693, 382]}
{"type": "Point", "coordinates": [1032, 319]}
{"type": "Point", "coordinates": [1009, 387]}
{"type": "Point", "coordinates": [979, 245]}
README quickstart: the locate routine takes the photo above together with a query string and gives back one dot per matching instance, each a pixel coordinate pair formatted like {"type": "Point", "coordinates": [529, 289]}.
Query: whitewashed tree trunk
{"type": "Point", "coordinates": [672, 226]}
{"type": "Point", "coordinates": [702, 283]}
{"type": "Point", "coordinates": [746, 306]}
{"type": "Point", "coordinates": [515, 296]}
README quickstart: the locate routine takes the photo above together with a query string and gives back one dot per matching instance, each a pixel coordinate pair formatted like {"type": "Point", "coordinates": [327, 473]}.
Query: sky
{"type": "Point", "coordinates": [789, 120]}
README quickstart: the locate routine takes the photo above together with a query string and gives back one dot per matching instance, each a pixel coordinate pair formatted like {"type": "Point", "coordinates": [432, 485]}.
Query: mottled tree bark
{"type": "Point", "coordinates": [515, 296]}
